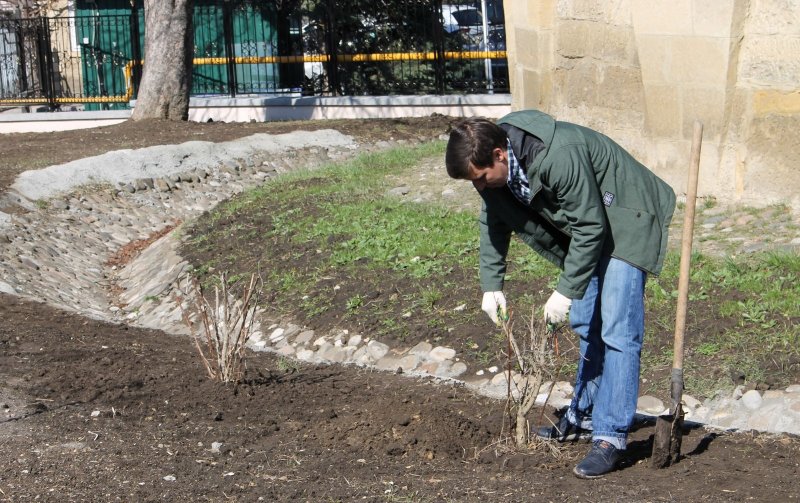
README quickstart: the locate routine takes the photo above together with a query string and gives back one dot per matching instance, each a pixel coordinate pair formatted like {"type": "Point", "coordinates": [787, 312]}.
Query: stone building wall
{"type": "Point", "coordinates": [642, 71]}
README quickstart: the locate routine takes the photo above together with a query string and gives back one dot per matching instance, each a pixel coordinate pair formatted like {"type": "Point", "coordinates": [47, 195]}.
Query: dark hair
{"type": "Point", "coordinates": [472, 141]}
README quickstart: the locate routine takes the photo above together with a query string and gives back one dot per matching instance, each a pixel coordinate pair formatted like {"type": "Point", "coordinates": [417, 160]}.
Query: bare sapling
{"type": "Point", "coordinates": [226, 325]}
{"type": "Point", "coordinates": [534, 356]}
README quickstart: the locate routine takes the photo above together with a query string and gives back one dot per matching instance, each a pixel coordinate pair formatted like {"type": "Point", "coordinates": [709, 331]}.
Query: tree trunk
{"type": "Point", "coordinates": [169, 49]}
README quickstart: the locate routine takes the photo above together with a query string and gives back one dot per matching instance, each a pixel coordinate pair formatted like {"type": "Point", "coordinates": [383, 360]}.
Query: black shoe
{"type": "Point", "coordinates": [563, 431]}
{"type": "Point", "coordinates": [602, 458]}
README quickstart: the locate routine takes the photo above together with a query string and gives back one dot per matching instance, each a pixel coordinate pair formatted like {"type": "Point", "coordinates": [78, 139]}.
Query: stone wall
{"type": "Point", "coordinates": [642, 71]}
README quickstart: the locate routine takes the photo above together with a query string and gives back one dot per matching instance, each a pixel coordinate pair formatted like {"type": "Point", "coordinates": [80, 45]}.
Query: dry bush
{"type": "Point", "coordinates": [536, 358]}
{"type": "Point", "coordinates": [225, 327]}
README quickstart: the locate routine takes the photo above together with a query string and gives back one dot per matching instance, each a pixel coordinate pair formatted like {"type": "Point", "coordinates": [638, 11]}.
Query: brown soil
{"type": "Point", "coordinates": [402, 310]}
{"type": "Point", "coordinates": [100, 412]}
{"type": "Point", "coordinates": [95, 412]}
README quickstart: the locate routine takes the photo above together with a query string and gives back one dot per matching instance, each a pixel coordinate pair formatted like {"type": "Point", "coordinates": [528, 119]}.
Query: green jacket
{"type": "Point", "coordinates": [590, 198]}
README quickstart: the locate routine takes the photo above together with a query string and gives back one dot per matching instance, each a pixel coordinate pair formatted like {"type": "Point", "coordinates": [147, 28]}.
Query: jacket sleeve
{"type": "Point", "coordinates": [495, 237]}
{"type": "Point", "coordinates": [573, 182]}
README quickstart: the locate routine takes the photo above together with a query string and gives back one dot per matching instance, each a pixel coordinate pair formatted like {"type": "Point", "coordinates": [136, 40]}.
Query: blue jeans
{"type": "Point", "coordinates": [610, 322]}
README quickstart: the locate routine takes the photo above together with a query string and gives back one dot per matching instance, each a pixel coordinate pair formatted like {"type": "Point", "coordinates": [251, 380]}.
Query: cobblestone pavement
{"type": "Point", "coordinates": [730, 229]}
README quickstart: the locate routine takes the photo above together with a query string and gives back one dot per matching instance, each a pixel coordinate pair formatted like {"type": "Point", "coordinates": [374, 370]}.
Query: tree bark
{"type": "Point", "coordinates": [169, 49]}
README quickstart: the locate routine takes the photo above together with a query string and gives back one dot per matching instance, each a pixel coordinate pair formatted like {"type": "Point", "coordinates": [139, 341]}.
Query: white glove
{"type": "Point", "coordinates": [492, 303]}
{"type": "Point", "coordinates": [556, 308]}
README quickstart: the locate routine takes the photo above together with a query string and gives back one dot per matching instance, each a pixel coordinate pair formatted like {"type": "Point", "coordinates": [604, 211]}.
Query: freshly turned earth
{"type": "Point", "coordinates": [99, 412]}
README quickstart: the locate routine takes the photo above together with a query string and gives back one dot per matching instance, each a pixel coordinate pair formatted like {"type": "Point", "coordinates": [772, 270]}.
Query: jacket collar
{"type": "Point", "coordinates": [529, 153]}
{"type": "Point", "coordinates": [534, 122]}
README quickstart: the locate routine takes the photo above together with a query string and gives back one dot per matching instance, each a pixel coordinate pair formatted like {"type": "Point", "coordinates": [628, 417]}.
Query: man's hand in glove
{"type": "Point", "coordinates": [556, 308]}
{"type": "Point", "coordinates": [494, 302]}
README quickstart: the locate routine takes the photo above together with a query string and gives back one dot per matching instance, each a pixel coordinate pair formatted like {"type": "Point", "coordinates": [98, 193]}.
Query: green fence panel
{"type": "Point", "coordinates": [254, 36]}
{"type": "Point", "coordinates": [209, 42]}
{"type": "Point", "coordinates": [250, 28]}
{"type": "Point", "coordinates": [103, 32]}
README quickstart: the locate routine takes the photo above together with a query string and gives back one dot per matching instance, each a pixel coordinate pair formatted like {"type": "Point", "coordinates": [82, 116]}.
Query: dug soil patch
{"type": "Point", "coordinates": [98, 412]}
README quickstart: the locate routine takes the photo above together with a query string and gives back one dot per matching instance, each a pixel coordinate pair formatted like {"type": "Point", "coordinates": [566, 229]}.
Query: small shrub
{"type": "Point", "coordinates": [225, 327]}
{"type": "Point", "coordinates": [536, 357]}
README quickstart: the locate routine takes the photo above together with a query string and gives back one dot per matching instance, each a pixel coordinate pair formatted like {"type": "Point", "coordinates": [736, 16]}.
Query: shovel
{"type": "Point", "coordinates": [667, 440]}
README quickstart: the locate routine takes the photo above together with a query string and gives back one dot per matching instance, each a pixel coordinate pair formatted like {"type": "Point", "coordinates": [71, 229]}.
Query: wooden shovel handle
{"type": "Point", "coordinates": [686, 247]}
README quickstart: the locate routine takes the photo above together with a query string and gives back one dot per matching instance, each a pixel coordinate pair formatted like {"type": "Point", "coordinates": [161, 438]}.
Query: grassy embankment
{"type": "Point", "coordinates": [307, 232]}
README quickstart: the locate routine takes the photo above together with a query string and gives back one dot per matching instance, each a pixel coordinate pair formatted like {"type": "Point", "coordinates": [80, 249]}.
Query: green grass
{"type": "Point", "coordinates": [354, 303]}
{"type": "Point", "coordinates": [430, 296]}
{"type": "Point", "coordinates": [288, 365]}
{"type": "Point", "coordinates": [748, 306]}
{"type": "Point", "coordinates": [758, 295]}
{"type": "Point", "coordinates": [708, 348]}
{"type": "Point", "coordinates": [392, 234]}
{"type": "Point", "coordinates": [768, 281]}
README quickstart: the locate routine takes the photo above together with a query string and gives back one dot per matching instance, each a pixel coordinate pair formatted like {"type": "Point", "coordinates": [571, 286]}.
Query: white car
{"type": "Point", "coordinates": [464, 18]}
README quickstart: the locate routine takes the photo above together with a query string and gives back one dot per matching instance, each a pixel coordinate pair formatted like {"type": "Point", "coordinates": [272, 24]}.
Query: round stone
{"type": "Point", "coordinates": [423, 348]}
{"type": "Point", "coordinates": [6, 288]}
{"type": "Point", "coordinates": [377, 350]}
{"type": "Point", "coordinates": [441, 353]}
{"type": "Point", "coordinates": [752, 399]}
{"type": "Point", "coordinates": [691, 402]}
{"type": "Point", "coordinates": [650, 404]}
{"type": "Point", "coordinates": [501, 378]}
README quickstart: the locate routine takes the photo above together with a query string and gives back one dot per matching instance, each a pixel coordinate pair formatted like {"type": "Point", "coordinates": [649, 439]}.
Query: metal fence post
{"type": "Point", "coordinates": [46, 61]}
{"type": "Point", "coordinates": [438, 43]}
{"type": "Point", "coordinates": [136, 51]}
{"type": "Point", "coordinates": [23, 75]}
{"type": "Point", "coordinates": [227, 34]}
{"type": "Point", "coordinates": [331, 38]}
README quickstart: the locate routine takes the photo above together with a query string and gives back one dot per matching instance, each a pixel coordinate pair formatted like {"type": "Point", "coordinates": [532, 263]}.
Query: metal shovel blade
{"type": "Point", "coordinates": [667, 439]}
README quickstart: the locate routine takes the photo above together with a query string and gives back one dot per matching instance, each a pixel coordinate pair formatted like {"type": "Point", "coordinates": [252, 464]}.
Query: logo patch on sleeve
{"type": "Point", "coordinates": [608, 198]}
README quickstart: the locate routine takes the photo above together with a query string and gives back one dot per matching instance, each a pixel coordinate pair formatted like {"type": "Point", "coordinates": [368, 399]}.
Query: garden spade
{"type": "Point", "coordinates": [667, 440]}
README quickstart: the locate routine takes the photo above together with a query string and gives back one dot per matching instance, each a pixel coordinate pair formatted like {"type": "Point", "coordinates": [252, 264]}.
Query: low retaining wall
{"type": "Point", "coordinates": [346, 107]}
{"type": "Point", "coordinates": [46, 122]}
{"type": "Point", "coordinates": [279, 108]}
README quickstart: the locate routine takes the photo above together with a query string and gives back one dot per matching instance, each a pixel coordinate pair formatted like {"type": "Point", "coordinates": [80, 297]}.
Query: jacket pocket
{"type": "Point", "coordinates": [636, 236]}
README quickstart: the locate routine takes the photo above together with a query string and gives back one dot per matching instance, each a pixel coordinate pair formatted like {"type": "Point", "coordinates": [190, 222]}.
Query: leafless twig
{"type": "Point", "coordinates": [225, 327]}
{"type": "Point", "coordinates": [534, 356]}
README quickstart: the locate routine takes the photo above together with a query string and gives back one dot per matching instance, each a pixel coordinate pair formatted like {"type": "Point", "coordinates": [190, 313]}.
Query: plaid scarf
{"type": "Point", "coordinates": [517, 180]}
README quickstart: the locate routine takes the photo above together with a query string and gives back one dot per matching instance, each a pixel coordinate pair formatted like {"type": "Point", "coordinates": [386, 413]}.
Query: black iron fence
{"type": "Point", "coordinates": [250, 47]}
{"type": "Point", "coordinates": [76, 59]}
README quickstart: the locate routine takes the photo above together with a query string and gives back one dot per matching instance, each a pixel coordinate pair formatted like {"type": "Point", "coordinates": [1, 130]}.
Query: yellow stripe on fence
{"type": "Point", "coordinates": [254, 60]}
{"type": "Point", "coordinates": [354, 58]}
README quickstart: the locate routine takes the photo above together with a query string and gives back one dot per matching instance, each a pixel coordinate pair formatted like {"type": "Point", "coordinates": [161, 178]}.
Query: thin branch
{"type": "Point", "coordinates": [226, 327]}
